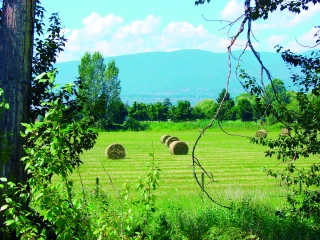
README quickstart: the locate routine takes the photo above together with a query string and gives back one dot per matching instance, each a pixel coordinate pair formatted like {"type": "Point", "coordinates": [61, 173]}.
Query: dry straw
{"type": "Point", "coordinates": [178, 148]}
{"type": "Point", "coordinates": [164, 138]}
{"type": "Point", "coordinates": [115, 151]}
{"type": "Point", "coordinates": [261, 133]}
{"type": "Point", "coordinates": [170, 140]}
{"type": "Point", "coordinates": [285, 132]}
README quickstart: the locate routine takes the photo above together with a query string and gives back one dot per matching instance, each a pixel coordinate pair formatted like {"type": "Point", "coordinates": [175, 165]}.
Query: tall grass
{"type": "Point", "coordinates": [245, 220]}
{"type": "Point", "coordinates": [195, 217]}
{"type": "Point", "coordinates": [202, 123]}
{"type": "Point", "coordinates": [183, 212]}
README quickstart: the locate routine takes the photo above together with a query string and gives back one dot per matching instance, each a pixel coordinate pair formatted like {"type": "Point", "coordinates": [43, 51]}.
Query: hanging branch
{"type": "Point", "coordinates": [195, 161]}
{"type": "Point", "coordinates": [269, 76]}
{"type": "Point", "coordinates": [317, 34]}
{"type": "Point", "coordinates": [247, 20]}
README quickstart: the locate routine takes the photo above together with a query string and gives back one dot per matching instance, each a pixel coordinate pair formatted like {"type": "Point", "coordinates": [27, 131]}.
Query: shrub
{"type": "Point", "coordinates": [135, 125]}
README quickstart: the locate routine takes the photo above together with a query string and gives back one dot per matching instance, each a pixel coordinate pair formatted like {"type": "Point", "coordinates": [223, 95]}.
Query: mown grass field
{"type": "Point", "coordinates": [235, 163]}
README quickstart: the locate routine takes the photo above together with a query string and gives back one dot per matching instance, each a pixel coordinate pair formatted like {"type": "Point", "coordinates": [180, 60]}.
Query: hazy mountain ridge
{"type": "Point", "coordinates": [181, 75]}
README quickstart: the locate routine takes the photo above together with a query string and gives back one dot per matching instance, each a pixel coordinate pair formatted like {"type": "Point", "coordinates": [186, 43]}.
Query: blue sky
{"type": "Point", "coordinates": [121, 27]}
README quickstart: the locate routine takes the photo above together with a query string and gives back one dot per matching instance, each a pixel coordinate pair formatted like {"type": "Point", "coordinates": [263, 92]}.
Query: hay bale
{"type": "Point", "coordinates": [164, 138]}
{"type": "Point", "coordinates": [261, 133]}
{"type": "Point", "coordinates": [170, 140]}
{"type": "Point", "coordinates": [115, 151]}
{"type": "Point", "coordinates": [178, 148]}
{"type": "Point", "coordinates": [285, 132]}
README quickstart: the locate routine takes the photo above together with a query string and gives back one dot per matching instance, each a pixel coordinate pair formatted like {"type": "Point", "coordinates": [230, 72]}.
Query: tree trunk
{"type": "Point", "coordinates": [16, 42]}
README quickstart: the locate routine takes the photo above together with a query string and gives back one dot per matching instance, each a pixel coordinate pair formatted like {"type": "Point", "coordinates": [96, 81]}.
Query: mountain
{"type": "Point", "coordinates": [180, 75]}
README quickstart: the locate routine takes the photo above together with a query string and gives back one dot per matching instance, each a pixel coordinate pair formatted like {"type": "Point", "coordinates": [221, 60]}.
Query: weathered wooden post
{"type": "Point", "coordinates": [202, 181]}
{"type": "Point", "coordinates": [97, 186]}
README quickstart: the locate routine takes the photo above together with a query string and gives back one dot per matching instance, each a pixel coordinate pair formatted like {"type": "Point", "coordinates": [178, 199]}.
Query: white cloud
{"type": "Point", "coordinates": [139, 27]}
{"type": "Point", "coordinates": [185, 30]}
{"type": "Point", "coordinates": [274, 40]}
{"type": "Point", "coordinates": [304, 16]}
{"type": "Point", "coordinates": [307, 39]}
{"type": "Point", "coordinates": [65, 57]}
{"type": "Point", "coordinates": [112, 38]}
{"type": "Point", "coordinates": [105, 48]}
{"type": "Point", "coordinates": [172, 49]}
{"type": "Point", "coordinates": [183, 35]}
{"type": "Point", "coordinates": [97, 26]}
{"type": "Point", "coordinates": [286, 20]}
{"type": "Point", "coordinates": [232, 10]}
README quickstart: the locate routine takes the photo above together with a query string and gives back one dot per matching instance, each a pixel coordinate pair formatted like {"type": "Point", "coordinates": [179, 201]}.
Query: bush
{"type": "Point", "coordinates": [135, 125]}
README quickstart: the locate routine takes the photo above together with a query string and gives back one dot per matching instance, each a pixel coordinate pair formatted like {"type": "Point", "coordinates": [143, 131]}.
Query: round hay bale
{"type": "Point", "coordinates": [170, 140]}
{"type": "Point", "coordinates": [285, 132]}
{"type": "Point", "coordinates": [261, 133]}
{"type": "Point", "coordinates": [115, 151]}
{"type": "Point", "coordinates": [164, 138]}
{"type": "Point", "coordinates": [178, 148]}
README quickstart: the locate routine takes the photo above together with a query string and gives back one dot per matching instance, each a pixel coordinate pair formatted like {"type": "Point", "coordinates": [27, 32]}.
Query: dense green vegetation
{"type": "Point", "coordinates": [53, 195]}
{"type": "Point", "coordinates": [182, 210]}
{"type": "Point", "coordinates": [100, 91]}
{"type": "Point", "coordinates": [245, 107]}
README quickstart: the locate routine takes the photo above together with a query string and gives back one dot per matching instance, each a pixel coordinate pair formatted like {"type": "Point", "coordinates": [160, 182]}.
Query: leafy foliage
{"type": "Point", "coordinates": [101, 90]}
{"type": "Point", "coordinates": [5, 153]}
{"type": "Point", "coordinates": [65, 137]}
{"type": "Point", "coordinates": [262, 9]}
{"type": "Point", "coordinates": [302, 119]}
{"type": "Point", "coordinates": [181, 112]}
{"type": "Point", "coordinates": [112, 89]}
{"type": "Point", "coordinates": [45, 54]}
{"type": "Point", "coordinates": [245, 110]}
{"type": "Point", "coordinates": [205, 108]}
{"type": "Point", "coordinates": [91, 73]}
{"type": "Point", "coordinates": [139, 111]}
{"type": "Point", "coordinates": [158, 111]}
{"type": "Point", "coordinates": [227, 109]}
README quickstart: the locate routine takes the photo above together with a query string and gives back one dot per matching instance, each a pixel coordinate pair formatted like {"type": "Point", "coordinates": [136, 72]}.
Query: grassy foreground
{"type": "Point", "coordinates": [235, 163]}
{"type": "Point", "coordinates": [182, 210]}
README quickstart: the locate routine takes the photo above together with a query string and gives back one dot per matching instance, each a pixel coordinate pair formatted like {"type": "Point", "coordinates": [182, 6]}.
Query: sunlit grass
{"type": "Point", "coordinates": [235, 163]}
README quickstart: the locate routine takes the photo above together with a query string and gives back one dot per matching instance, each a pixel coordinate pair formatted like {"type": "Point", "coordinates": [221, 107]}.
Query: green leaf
{"type": "Point", "coordinates": [4, 207]}
{"type": "Point", "coordinates": [25, 125]}
{"type": "Point", "coordinates": [9, 222]}
{"type": "Point", "coordinates": [40, 76]}
{"type": "Point", "coordinates": [22, 134]}
{"type": "Point", "coordinates": [3, 179]}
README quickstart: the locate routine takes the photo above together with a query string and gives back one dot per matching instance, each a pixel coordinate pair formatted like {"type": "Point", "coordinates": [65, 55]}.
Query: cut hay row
{"type": "Point", "coordinates": [115, 151]}
{"type": "Point", "coordinates": [233, 161]}
{"type": "Point", "coordinates": [285, 132]}
{"type": "Point", "coordinates": [175, 145]}
{"type": "Point", "coordinates": [178, 148]}
{"type": "Point", "coordinates": [171, 140]}
{"type": "Point", "coordinates": [164, 138]}
{"type": "Point", "coordinates": [261, 133]}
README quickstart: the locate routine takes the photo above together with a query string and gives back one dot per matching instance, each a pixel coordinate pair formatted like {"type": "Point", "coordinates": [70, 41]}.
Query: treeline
{"type": "Point", "coordinates": [244, 107]}
{"type": "Point", "coordinates": [100, 99]}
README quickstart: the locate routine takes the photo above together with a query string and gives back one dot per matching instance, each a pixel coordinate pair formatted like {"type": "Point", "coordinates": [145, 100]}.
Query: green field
{"type": "Point", "coordinates": [235, 163]}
